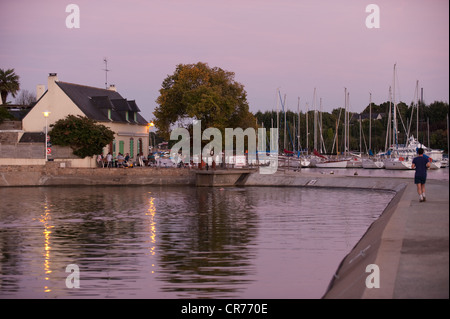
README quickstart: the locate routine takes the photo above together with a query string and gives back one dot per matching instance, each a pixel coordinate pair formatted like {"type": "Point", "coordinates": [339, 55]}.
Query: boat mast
{"type": "Point", "coordinates": [360, 140]}
{"type": "Point", "coordinates": [293, 132]}
{"type": "Point", "coordinates": [370, 121]}
{"type": "Point", "coordinates": [320, 129]}
{"type": "Point", "coordinates": [388, 128]}
{"type": "Point", "coordinates": [284, 111]}
{"type": "Point", "coordinates": [395, 114]}
{"type": "Point", "coordinates": [307, 132]}
{"type": "Point", "coordinates": [417, 115]}
{"type": "Point", "coordinates": [298, 128]}
{"type": "Point", "coordinates": [315, 120]}
{"type": "Point", "coordinates": [278, 116]}
{"type": "Point", "coordinates": [345, 122]}
{"type": "Point", "coordinates": [337, 151]}
{"type": "Point", "coordinates": [348, 123]}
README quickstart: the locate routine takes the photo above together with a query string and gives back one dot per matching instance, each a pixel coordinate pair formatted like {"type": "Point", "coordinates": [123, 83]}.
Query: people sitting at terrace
{"type": "Point", "coordinates": [120, 160]}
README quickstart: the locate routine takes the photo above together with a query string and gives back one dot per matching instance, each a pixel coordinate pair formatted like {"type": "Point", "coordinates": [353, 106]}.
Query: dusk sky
{"type": "Point", "coordinates": [295, 45]}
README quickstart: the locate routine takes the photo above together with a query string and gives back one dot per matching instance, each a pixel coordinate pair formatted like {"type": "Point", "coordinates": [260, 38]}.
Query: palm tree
{"type": "Point", "coordinates": [9, 83]}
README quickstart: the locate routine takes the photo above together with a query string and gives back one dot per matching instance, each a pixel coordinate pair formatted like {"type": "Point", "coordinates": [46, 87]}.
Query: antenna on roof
{"type": "Point", "coordinates": [106, 72]}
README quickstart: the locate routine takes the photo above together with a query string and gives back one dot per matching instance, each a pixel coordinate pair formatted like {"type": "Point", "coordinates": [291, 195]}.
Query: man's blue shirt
{"type": "Point", "coordinates": [421, 166]}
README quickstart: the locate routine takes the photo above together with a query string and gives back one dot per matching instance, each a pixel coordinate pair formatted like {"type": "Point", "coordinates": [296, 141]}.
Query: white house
{"type": "Point", "coordinates": [105, 106]}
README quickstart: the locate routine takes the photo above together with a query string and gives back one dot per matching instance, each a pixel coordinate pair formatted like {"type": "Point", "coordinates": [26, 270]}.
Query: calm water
{"type": "Point", "coordinates": [173, 242]}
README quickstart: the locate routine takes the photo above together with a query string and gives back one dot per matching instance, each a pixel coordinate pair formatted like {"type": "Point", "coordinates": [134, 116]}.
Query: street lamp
{"type": "Point", "coordinates": [46, 115]}
{"type": "Point", "coordinates": [151, 125]}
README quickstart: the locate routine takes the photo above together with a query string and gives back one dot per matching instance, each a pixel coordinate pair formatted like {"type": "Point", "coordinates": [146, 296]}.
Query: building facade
{"type": "Point", "coordinates": [105, 106]}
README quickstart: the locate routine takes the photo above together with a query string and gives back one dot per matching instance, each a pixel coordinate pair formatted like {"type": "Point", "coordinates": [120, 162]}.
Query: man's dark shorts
{"type": "Point", "coordinates": [419, 180]}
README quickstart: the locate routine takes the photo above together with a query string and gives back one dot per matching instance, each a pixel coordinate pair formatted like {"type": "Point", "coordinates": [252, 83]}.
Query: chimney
{"type": "Point", "coordinates": [52, 78]}
{"type": "Point", "coordinates": [112, 87]}
{"type": "Point", "coordinates": [40, 90]}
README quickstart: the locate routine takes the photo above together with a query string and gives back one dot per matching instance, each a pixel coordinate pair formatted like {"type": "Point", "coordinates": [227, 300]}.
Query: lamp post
{"type": "Point", "coordinates": [46, 115]}
{"type": "Point", "coordinates": [151, 125]}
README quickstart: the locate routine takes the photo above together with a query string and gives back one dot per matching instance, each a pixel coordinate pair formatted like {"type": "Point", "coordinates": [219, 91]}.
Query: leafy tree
{"type": "Point", "coordinates": [9, 83]}
{"type": "Point", "coordinates": [435, 114]}
{"type": "Point", "coordinates": [209, 94]}
{"type": "Point", "coordinates": [85, 136]}
{"type": "Point", "coordinates": [4, 114]}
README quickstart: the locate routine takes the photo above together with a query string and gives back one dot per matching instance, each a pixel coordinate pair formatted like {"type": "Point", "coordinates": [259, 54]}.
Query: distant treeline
{"type": "Point", "coordinates": [432, 127]}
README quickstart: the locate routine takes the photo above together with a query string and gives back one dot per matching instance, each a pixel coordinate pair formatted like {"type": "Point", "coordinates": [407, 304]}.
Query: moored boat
{"type": "Point", "coordinates": [332, 164]}
{"type": "Point", "coordinates": [354, 162]}
{"type": "Point", "coordinates": [397, 163]}
{"type": "Point", "coordinates": [372, 163]}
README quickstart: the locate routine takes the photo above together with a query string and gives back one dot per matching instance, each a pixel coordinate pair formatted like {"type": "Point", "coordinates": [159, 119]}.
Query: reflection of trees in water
{"type": "Point", "coordinates": [205, 241]}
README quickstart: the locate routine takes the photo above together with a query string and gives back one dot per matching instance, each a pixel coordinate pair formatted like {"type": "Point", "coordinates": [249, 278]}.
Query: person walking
{"type": "Point", "coordinates": [420, 164]}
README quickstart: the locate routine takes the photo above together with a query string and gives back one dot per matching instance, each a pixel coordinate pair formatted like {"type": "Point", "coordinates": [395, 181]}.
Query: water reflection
{"type": "Point", "coordinates": [45, 220]}
{"type": "Point", "coordinates": [172, 242]}
{"type": "Point", "coordinates": [204, 242]}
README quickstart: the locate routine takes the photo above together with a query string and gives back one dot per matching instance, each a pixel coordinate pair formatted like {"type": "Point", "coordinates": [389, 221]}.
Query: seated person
{"type": "Point", "coordinates": [120, 160]}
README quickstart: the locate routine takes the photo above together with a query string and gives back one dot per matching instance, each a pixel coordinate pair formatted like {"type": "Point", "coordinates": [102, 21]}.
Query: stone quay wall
{"type": "Point", "coordinates": [52, 174]}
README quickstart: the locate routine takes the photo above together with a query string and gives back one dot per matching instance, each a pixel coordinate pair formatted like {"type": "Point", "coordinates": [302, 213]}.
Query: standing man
{"type": "Point", "coordinates": [420, 164]}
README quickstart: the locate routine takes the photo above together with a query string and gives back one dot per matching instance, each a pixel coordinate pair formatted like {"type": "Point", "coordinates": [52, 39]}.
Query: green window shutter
{"type": "Point", "coordinates": [131, 147]}
{"type": "Point", "coordinates": [122, 147]}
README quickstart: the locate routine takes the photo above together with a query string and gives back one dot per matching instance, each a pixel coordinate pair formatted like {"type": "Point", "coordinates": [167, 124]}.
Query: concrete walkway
{"type": "Point", "coordinates": [423, 269]}
{"type": "Point", "coordinates": [411, 246]}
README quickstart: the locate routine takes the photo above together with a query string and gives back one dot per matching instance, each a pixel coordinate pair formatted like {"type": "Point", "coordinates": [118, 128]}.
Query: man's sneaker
{"type": "Point", "coordinates": [424, 199]}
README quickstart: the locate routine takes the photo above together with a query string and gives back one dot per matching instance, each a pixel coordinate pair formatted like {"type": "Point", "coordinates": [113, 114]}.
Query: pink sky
{"type": "Point", "coordinates": [292, 45]}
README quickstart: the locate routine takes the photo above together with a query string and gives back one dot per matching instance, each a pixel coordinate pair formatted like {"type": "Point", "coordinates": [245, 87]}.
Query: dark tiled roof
{"type": "Point", "coordinates": [95, 103]}
{"type": "Point", "coordinates": [134, 107]}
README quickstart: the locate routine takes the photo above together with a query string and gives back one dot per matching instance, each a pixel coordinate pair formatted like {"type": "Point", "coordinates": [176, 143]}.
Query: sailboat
{"type": "Point", "coordinates": [329, 163]}
{"type": "Point", "coordinates": [404, 154]}
{"type": "Point", "coordinates": [372, 162]}
{"type": "Point", "coordinates": [397, 161]}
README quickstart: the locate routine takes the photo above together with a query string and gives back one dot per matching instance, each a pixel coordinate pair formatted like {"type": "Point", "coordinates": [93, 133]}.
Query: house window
{"type": "Point", "coordinates": [135, 116]}
{"type": "Point", "coordinates": [127, 117]}
{"type": "Point", "coordinates": [139, 145]}
{"type": "Point", "coordinates": [131, 147]}
{"type": "Point", "coordinates": [109, 114]}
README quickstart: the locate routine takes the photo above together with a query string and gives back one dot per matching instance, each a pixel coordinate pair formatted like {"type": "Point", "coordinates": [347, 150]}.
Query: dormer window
{"type": "Point", "coordinates": [110, 114]}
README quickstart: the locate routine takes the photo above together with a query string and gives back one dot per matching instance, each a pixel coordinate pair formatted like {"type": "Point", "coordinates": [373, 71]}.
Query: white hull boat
{"type": "Point", "coordinates": [397, 163]}
{"type": "Point", "coordinates": [332, 164]}
{"type": "Point", "coordinates": [435, 165]}
{"type": "Point", "coordinates": [372, 163]}
{"type": "Point", "coordinates": [354, 163]}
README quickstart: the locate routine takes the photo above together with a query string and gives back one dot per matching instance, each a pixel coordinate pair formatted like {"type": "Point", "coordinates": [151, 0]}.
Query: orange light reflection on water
{"type": "Point", "coordinates": [45, 219]}
{"type": "Point", "coordinates": [152, 230]}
